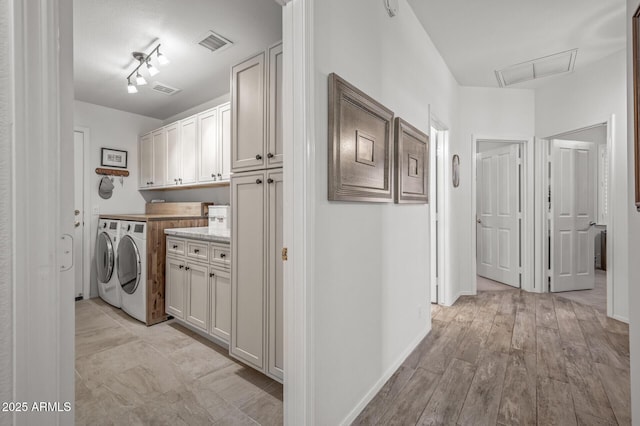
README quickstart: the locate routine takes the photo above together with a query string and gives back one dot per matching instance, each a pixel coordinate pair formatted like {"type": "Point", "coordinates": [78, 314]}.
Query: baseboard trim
{"type": "Point", "coordinates": [621, 319]}
{"type": "Point", "coordinates": [385, 377]}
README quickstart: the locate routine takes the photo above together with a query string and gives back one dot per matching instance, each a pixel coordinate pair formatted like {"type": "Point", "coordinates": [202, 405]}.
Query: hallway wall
{"type": "Point", "coordinates": [583, 98]}
{"type": "Point", "coordinates": [371, 293]}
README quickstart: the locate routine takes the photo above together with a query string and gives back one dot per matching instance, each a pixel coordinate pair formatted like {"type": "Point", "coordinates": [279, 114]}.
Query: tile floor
{"type": "Point", "coordinates": [130, 374]}
{"type": "Point", "coordinates": [511, 358]}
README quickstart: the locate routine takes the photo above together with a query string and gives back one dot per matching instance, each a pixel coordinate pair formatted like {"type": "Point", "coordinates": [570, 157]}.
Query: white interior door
{"type": "Point", "coordinates": [78, 230]}
{"type": "Point", "coordinates": [573, 190]}
{"type": "Point", "coordinates": [498, 209]}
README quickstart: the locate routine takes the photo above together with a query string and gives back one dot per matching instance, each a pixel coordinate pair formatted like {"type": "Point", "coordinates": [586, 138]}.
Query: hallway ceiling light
{"type": "Point", "coordinates": [558, 63]}
{"type": "Point", "coordinates": [144, 59]}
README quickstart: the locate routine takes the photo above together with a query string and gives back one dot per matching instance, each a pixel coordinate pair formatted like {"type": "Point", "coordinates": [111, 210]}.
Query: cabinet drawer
{"type": "Point", "coordinates": [220, 256]}
{"type": "Point", "coordinates": [175, 247]}
{"type": "Point", "coordinates": [196, 250]}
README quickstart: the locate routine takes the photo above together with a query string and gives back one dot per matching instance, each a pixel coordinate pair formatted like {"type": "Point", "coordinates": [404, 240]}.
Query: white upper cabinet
{"type": "Point", "coordinates": [192, 151]}
{"type": "Point", "coordinates": [174, 154]}
{"type": "Point", "coordinates": [159, 158]}
{"type": "Point", "coordinates": [146, 160]}
{"type": "Point", "coordinates": [189, 143]}
{"type": "Point", "coordinates": [208, 143]}
{"type": "Point", "coordinates": [248, 117]}
{"type": "Point", "coordinates": [274, 140]}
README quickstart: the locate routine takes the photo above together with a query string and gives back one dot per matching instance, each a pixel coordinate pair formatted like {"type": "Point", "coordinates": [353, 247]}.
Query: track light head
{"type": "Point", "coordinates": [140, 80]}
{"type": "Point", "coordinates": [152, 70]}
{"type": "Point", "coordinates": [162, 59]}
{"type": "Point", "coordinates": [131, 88]}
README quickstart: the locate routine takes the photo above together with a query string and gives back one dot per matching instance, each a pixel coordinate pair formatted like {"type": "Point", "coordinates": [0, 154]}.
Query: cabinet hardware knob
{"type": "Point", "coordinates": [222, 255]}
{"type": "Point", "coordinates": [258, 181]}
{"type": "Point", "coordinates": [196, 251]}
{"type": "Point", "coordinates": [186, 268]}
{"type": "Point", "coordinates": [269, 180]}
{"type": "Point", "coordinates": [258, 157]}
{"type": "Point", "coordinates": [175, 246]}
{"type": "Point", "coordinates": [181, 266]}
{"type": "Point", "coordinates": [180, 179]}
{"type": "Point", "coordinates": [211, 274]}
{"type": "Point", "coordinates": [269, 155]}
{"type": "Point", "coordinates": [219, 175]}
{"type": "Point", "coordinates": [213, 175]}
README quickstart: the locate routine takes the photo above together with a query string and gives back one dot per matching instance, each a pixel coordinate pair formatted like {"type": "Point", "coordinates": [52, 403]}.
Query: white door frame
{"type": "Point", "coordinates": [42, 145]}
{"type": "Point", "coordinates": [298, 210]}
{"type": "Point", "coordinates": [438, 152]}
{"type": "Point", "coordinates": [543, 271]}
{"type": "Point", "coordinates": [527, 237]}
{"type": "Point", "coordinates": [86, 215]}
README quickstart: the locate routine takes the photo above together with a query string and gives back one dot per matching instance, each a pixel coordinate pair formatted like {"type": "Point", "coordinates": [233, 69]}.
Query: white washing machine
{"type": "Point", "coordinates": [106, 259]}
{"type": "Point", "coordinates": [132, 268]}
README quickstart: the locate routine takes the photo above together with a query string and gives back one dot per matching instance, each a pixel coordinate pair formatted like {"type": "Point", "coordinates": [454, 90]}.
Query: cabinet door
{"type": "Point", "coordinates": [207, 146]}
{"type": "Point", "coordinates": [220, 303]}
{"type": "Point", "coordinates": [159, 158]}
{"type": "Point", "coordinates": [275, 329]}
{"type": "Point", "coordinates": [146, 160]}
{"type": "Point", "coordinates": [196, 311]}
{"type": "Point", "coordinates": [248, 268]}
{"type": "Point", "coordinates": [174, 154]}
{"type": "Point", "coordinates": [224, 141]}
{"type": "Point", "coordinates": [248, 117]}
{"type": "Point", "coordinates": [274, 140]}
{"type": "Point", "coordinates": [175, 287]}
{"type": "Point", "coordinates": [189, 145]}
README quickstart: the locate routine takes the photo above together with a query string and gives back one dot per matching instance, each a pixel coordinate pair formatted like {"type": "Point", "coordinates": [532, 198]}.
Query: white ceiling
{"type": "Point", "coordinates": [107, 31]}
{"type": "Point", "coordinates": [476, 38]}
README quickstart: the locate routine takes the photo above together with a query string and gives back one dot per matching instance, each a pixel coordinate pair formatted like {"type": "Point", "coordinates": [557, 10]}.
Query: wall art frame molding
{"type": "Point", "coordinates": [360, 160]}
{"type": "Point", "coordinates": [636, 101]}
{"type": "Point", "coordinates": [411, 164]}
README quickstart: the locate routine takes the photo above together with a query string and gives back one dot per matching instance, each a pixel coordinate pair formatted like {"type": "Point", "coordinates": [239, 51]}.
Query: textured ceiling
{"type": "Point", "coordinates": [475, 38]}
{"type": "Point", "coordinates": [107, 31]}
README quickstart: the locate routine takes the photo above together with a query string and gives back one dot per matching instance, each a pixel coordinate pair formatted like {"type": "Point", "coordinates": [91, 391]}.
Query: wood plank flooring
{"type": "Point", "coordinates": [511, 358]}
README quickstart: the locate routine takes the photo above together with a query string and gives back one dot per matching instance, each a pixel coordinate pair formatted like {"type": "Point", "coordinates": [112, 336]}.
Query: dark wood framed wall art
{"type": "Point", "coordinates": [411, 164]}
{"type": "Point", "coordinates": [636, 100]}
{"type": "Point", "coordinates": [360, 145]}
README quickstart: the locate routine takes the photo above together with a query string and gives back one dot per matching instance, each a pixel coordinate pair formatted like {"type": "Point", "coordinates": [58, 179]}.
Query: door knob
{"type": "Point", "coordinates": [186, 268]}
{"type": "Point", "coordinates": [258, 157]}
{"type": "Point", "coordinates": [269, 180]}
{"type": "Point", "coordinates": [211, 274]}
{"type": "Point", "coordinates": [269, 155]}
{"type": "Point", "coordinates": [258, 181]}
{"type": "Point", "coordinates": [76, 224]}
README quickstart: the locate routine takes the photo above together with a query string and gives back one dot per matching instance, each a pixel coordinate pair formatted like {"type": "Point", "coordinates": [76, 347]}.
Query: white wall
{"type": "Point", "coordinates": [110, 128]}
{"type": "Point", "coordinates": [371, 260]}
{"type": "Point", "coordinates": [6, 217]}
{"type": "Point", "coordinates": [586, 97]}
{"type": "Point", "coordinates": [634, 229]}
{"type": "Point", "coordinates": [489, 113]}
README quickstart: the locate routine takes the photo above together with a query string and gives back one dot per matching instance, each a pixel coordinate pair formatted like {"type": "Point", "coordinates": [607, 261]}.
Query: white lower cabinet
{"type": "Point", "coordinates": [256, 274]}
{"type": "Point", "coordinates": [198, 289]}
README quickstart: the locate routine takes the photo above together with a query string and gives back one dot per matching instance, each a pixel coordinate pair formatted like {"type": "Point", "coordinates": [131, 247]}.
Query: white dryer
{"type": "Point", "coordinates": [106, 258]}
{"type": "Point", "coordinates": [132, 268]}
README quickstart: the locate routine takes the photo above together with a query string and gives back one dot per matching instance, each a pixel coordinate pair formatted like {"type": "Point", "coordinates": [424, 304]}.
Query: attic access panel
{"type": "Point", "coordinates": [360, 145]}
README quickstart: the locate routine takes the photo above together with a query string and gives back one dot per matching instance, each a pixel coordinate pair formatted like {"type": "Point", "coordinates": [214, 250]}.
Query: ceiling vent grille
{"type": "Point", "coordinates": [165, 89]}
{"type": "Point", "coordinates": [558, 63]}
{"type": "Point", "coordinates": [214, 42]}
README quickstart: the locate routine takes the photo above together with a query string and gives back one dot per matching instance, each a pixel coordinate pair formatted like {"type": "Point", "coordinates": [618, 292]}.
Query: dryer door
{"type": "Point", "coordinates": [128, 265]}
{"type": "Point", "coordinates": [104, 257]}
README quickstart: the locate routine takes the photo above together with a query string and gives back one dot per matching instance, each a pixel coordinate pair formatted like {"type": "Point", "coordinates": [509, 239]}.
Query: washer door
{"type": "Point", "coordinates": [104, 257]}
{"type": "Point", "coordinates": [128, 265]}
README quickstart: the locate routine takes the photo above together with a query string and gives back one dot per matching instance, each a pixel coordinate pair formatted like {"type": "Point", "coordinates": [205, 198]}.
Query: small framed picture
{"type": "Point", "coordinates": [114, 158]}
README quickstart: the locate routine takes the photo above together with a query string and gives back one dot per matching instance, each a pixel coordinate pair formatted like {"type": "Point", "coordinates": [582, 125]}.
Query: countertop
{"type": "Point", "coordinates": [148, 217]}
{"type": "Point", "coordinates": [202, 233]}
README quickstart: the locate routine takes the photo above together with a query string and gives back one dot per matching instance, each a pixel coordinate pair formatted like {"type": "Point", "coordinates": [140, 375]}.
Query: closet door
{"type": "Point", "coordinates": [207, 146]}
{"type": "Point", "coordinates": [275, 342]}
{"type": "Point", "coordinates": [189, 146]}
{"type": "Point", "coordinates": [248, 268]}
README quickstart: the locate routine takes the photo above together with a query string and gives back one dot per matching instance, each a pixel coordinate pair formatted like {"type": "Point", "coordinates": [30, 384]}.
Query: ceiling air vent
{"type": "Point", "coordinates": [558, 63]}
{"type": "Point", "coordinates": [214, 42]}
{"type": "Point", "coordinates": [165, 89]}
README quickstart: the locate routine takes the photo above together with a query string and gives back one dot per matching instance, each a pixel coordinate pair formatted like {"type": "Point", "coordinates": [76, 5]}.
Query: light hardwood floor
{"type": "Point", "coordinates": [511, 358]}
{"type": "Point", "coordinates": [130, 374]}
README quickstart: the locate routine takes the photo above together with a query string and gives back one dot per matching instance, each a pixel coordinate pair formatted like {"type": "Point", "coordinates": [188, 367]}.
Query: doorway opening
{"type": "Point", "coordinates": [439, 140]}
{"type": "Point", "coordinates": [578, 181]}
{"type": "Point", "coordinates": [502, 202]}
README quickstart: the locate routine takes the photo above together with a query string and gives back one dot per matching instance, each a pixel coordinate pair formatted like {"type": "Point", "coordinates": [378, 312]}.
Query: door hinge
{"type": "Point", "coordinates": [285, 252]}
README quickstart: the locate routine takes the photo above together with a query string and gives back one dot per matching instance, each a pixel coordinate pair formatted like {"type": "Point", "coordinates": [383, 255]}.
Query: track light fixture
{"type": "Point", "coordinates": [144, 59]}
